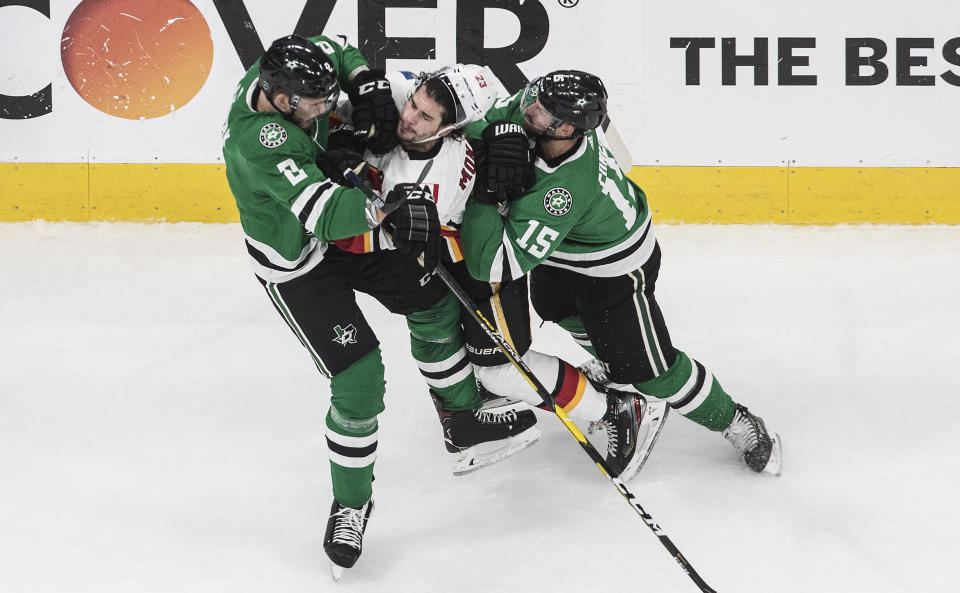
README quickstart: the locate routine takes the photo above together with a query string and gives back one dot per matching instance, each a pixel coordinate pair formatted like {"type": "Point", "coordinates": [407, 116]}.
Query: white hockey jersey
{"type": "Point", "coordinates": [450, 179]}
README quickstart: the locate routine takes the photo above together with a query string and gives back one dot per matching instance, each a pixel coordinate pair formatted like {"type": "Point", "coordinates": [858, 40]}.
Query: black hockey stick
{"type": "Point", "coordinates": [588, 448]}
{"type": "Point", "coordinates": [547, 396]}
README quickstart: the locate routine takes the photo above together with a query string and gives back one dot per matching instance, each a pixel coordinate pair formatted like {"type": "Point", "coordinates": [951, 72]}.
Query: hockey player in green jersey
{"type": "Point", "coordinates": [583, 231]}
{"type": "Point", "coordinates": [291, 213]}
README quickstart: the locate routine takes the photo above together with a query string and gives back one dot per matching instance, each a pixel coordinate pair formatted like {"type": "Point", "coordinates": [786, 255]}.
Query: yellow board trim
{"type": "Point", "coordinates": [801, 195]}
{"type": "Point", "coordinates": [724, 195]}
{"type": "Point", "coordinates": [115, 192]}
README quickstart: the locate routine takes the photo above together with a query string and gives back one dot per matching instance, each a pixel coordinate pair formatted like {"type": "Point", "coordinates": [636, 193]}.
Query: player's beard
{"type": "Point", "coordinates": [412, 138]}
{"type": "Point", "coordinates": [303, 124]}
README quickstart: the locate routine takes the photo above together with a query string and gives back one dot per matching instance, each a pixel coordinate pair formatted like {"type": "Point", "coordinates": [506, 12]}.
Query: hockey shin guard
{"type": "Point", "coordinates": [351, 428]}
{"type": "Point", "coordinates": [436, 342]}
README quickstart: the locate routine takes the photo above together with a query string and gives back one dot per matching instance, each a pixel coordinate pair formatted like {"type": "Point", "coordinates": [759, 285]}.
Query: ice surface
{"type": "Point", "coordinates": [161, 429]}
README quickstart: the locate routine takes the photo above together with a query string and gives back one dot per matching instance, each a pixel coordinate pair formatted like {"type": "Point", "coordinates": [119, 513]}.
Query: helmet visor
{"type": "Point", "coordinates": [321, 104]}
{"type": "Point", "coordinates": [537, 118]}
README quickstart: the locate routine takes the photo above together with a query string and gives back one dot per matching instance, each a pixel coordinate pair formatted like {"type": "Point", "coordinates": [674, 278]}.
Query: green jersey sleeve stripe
{"type": "Point", "coordinates": [309, 204]}
{"type": "Point", "coordinates": [616, 261]}
{"type": "Point", "coordinates": [505, 253]}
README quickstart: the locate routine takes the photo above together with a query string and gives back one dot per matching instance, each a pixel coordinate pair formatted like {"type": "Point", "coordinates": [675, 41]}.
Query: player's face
{"type": "Point", "coordinates": [308, 110]}
{"type": "Point", "coordinates": [538, 121]}
{"type": "Point", "coordinates": [420, 118]}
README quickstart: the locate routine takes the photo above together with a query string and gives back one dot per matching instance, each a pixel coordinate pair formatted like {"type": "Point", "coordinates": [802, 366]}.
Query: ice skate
{"type": "Point", "coordinates": [651, 423]}
{"type": "Point", "coordinates": [759, 449]}
{"type": "Point", "coordinates": [478, 438]}
{"type": "Point", "coordinates": [344, 539]}
{"type": "Point", "coordinates": [632, 427]}
{"type": "Point", "coordinates": [499, 404]}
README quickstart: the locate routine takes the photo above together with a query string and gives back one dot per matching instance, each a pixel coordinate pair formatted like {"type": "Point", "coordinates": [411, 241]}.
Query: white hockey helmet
{"type": "Point", "coordinates": [473, 88]}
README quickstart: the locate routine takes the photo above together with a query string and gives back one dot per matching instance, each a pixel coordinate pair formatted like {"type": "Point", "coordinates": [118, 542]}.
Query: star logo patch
{"type": "Point", "coordinates": [272, 135]}
{"type": "Point", "coordinates": [558, 201]}
{"type": "Point", "coordinates": [345, 335]}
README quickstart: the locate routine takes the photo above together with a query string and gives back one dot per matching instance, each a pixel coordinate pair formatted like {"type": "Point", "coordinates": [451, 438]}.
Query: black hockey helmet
{"type": "Point", "coordinates": [570, 96]}
{"type": "Point", "coordinates": [297, 65]}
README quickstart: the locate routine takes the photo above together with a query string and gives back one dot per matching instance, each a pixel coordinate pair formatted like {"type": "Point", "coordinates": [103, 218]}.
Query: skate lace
{"type": "Point", "coordinates": [349, 527]}
{"type": "Point", "coordinates": [743, 433]}
{"type": "Point", "coordinates": [613, 445]}
{"type": "Point", "coordinates": [487, 417]}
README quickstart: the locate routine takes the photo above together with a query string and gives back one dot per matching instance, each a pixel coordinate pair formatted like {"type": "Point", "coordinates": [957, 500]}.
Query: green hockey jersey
{"type": "Point", "coordinates": [583, 215]}
{"type": "Point", "coordinates": [288, 209]}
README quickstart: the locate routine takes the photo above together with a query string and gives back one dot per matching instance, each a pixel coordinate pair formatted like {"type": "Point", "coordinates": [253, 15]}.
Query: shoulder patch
{"type": "Point", "coordinates": [272, 135]}
{"type": "Point", "coordinates": [558, 201]}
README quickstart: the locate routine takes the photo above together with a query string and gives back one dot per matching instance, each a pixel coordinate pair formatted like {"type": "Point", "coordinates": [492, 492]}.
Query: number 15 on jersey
{"type": "Point", "coordinates": [544, 239]}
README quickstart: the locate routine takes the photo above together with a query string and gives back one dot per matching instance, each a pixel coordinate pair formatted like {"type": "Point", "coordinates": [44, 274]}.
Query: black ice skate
{"type": "Point", "coordinates": [344, 539]}
{"type": "Point", "coordinates": [478, 438]}
{"type": "Point", "coordinates": [632, 426]}
{"type": "Point", "coordinates": [749, 436]}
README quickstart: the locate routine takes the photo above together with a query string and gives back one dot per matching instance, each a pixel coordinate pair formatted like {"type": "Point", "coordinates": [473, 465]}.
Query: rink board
{"type": "Point", "coordinates": [723, 195]}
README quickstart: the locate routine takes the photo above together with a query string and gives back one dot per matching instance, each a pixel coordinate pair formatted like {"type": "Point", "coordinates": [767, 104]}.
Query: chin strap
{"type": "Point", "coordinates": [437, 135]}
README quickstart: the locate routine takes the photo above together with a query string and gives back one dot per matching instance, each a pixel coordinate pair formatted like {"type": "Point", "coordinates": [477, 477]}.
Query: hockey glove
{"type": "Point", "coordinates": [341, 136]}
{"type": "Point", "coordinates": [373, 108]}
{"type": "Point", "coordinates": [504, 163]}
{"type": "Point", "coordinates": [334, 162]}
{"type": "Point", "coordinates": [414, 224]}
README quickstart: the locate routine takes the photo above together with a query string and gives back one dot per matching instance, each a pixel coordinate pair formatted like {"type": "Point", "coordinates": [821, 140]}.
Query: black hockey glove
{"type": "Point", "coordinates": [335, 161]}
{"type": "Point", "coordinates": [341, 136]}
{"type": "Point", "coordinates": [504, 163]}
{"type": "Point", "coordinates": [414, 224]}
{"type": "Point", "coordinates": [373, 107]}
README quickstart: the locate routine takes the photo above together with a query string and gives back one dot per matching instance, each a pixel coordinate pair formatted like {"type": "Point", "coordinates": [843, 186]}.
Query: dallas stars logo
{"type": "Point", "coordinates": [345, 335]}
{"type": "Point", "coordinates": [272, 135]}
{"type": "Point", "coordinates": [581, 102]}
{"type": "Point", "coordinates": [558, 201]}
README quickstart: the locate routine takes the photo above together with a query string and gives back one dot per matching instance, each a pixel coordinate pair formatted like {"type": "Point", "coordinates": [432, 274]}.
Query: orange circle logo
{"type": "Point", "coordinates": [136, 58]}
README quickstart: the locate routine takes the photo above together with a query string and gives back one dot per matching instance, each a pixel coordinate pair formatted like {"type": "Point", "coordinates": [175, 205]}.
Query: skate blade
{"type": "Point", "coordinates": [336, 571]}
{"type": "Point", "coordinates": [775, 463]}
{"type": "Point", "coordinates": [501, 405]}
{"type": "Point", "coordinates": [484, 454]}
{"type": "Point", "coordinates": [655, 416]}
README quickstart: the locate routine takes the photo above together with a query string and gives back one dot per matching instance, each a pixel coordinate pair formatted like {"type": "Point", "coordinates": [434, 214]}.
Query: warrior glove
{"type": "Point", "coordinates": [374, 109]}
{"type": "Point", "coordinates": [414, 224]}
{"type": "Point", "coordinates": [504, 163]}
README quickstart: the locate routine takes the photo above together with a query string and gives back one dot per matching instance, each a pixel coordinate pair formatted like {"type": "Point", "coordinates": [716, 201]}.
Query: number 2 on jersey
{"type": "Point", "coordinates": [294, 173]}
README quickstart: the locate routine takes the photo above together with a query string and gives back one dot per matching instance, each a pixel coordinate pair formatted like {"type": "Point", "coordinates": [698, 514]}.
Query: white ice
{"type": "Point", "coordinates": [161, 429]}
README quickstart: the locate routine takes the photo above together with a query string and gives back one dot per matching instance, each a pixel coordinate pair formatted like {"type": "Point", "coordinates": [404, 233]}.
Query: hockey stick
{"type": "Point", "coordinates": [352, 175]}
{"type": "Point", "coordinates": [544, 393]}
{"type": "Point", "coordinates": [588, 448]}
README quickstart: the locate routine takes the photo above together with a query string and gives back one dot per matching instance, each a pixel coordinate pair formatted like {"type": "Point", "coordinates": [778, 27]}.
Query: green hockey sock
{"type": "Point", "coordinates": [352, 448]}
{"type": "Point", "coordinates": [437, 344]}
{"type": "Point", "coordinates": [693, 391]}
{"type": "Point", "coordinates": [578, 332]}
